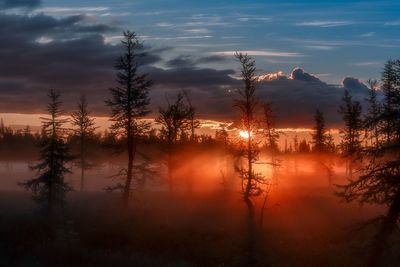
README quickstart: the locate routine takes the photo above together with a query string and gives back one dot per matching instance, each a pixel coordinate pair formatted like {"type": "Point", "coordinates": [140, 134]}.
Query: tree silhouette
{"type": "Point", "coordinates": [351, 133]}
{"type": "Point", "coordinates": [84, 131]}
{"type": "Point", "coordinates": [49, 188]}
{"type": "Point", "coordinates": [270, 132]}
{"type": "Point", "coordinates": [193, 122]}
{"type": "Point", "coordinates": [379, 180]}
{"type": "Point", "coordinates": [374, 109]}
{"type": "Point", "coordinates": [129, 104]}
{"type": "Point", "coordinates": [319, 137]}
{"type": "Point", "coordinates": [175, 121]}
{"type": "Point", "coordinates": [252, 182]}
{"type": "Point", "coordinates": [304, 147]}
{"type": "Point", "coordinates": [272, 137]}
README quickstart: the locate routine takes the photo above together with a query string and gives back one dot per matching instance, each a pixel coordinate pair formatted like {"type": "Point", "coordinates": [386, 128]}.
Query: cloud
{"type": "Point", "coordinates": [165, 24]}
{"type": "Point", "coordinates": [6, 4]}
{"type": "Point", "coordinates": [198, 31]}
{"type": "Point", "coordinates": [168, 38]}
{"type": "Point", "coordinates": [299, 75]}
{"type": "Point", "coordinates": [354, 85]}
{"type": "Point", "coordinates": [368, 34]}
{"type": "Point", "coordinates": [29, 28]}
{"type": "Point", "coordinates": [320, 47]}
{"type": "Point", "coordinates": [39, 52]}
{"type": "Point", "coordinates": [325, 23]}
{"type": "Point", "coordinates": [264, 53]}
{"type": "Point", "coordinates": [294, 97]}
{"type": "Point", "coordinates": [392, 23]}
{"type": "Point", "coordinates": [71, 55]}
{"type": "Point", "coordinates": [252, 18]}
{"type": "Point", "coordinates": [190, 61]}
{"type": "Point", "coordinates": [368, 63]}
{"type": "Point", "coordinates": [69, 10]}
{"type": "Point", "coordinates": [279, 75]}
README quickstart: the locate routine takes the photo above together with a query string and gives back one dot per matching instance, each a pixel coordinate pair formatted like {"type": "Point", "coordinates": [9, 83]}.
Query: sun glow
{"type": "Point", "coordinates": [244, 134]}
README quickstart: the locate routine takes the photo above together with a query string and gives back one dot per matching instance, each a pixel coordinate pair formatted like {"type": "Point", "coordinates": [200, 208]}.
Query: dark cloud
{"type": "Point", "coordinates": [41, 52]}
{"type": "Point", "coordinates": [190, 61]}
{"type": "Point", "coordinates": [75, 59]}
{"type": "Point", "coordinates": [354, 85]}
{"type": "Point", "coordinates": [210, 89]}
{"type": "Point", "coordinates": [299, 75]}
{"type": "Point", "coordinates": [181, 61]}
{"type": "Point", "coordinates": [27, 28]}
{"type": "Point", "coordinates": [211, 59]}
{"type": "Point", "coordinates": [5, 4]}
{"type": "Point", "coordinates": [296, 98]}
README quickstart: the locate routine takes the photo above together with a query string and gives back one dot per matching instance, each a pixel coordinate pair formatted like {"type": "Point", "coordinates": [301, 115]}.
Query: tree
{"type": "Point", "coordinates": [193, 122]}
{"type": "Point", "coordinates": [272, 137]}
{"type": "Point", "coordinates": [175, 121]}
{"type": "Point", "coordinates": [374, 109]}
{"type": "Point", "coordinates": [84, 131]}
{"type": "Point", "coordinates": [351, 133]}
{"type": "Point", "coordinates": [270, 132]}
{"type": "Point", "coordinates": [295, 144]}
{"type": "Point", "coordinates": [252, 181]}
{"type": "Point", "coordinates": [129, 104]}
{"type": "Point", "coordinates": [304, 147]}
{"type": "Point", "coordinates": [379, 180]}
{"type": "Point", "coordinates": [319, 137]}
{"type": "Point", "coordinates": [391, 103]}
{"type": "Point", "coordinates": [49, 188]}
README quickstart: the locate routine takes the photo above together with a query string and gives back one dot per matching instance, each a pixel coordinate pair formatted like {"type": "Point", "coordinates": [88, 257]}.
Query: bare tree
{"type": "Point", "coordinates": [175, 121]}
{"type": "Point", "coordinates": [129, 104]}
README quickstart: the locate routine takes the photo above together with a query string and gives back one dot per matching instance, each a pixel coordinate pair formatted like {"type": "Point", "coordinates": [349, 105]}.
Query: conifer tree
{"type": "Point", "coordinates": [379, 180]}
{"type": "Point", "coordinates": [374, 108]}
{"type": "Point", "coordinates": [252, 181]}
{"type": "Point", "coordinates": [129, 105]}
{"type": "Point", "coordinates": [85, 127]}
{"type": "Point", "coordinates": [352, 130]}
{"type": "Point", "coordinates": [319, 137]}
{"type": "Point", "coordinates": [272, 137]}
{"type": "Point", "coordinates": [49, 187]}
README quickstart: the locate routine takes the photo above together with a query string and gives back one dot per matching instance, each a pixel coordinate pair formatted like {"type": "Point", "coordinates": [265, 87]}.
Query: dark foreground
{"type": "Point", "coordinates": [302, 227]}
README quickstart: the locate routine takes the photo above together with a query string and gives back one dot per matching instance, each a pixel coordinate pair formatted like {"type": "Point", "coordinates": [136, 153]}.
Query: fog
{"type": "Point", "coordinates": [202, 222]}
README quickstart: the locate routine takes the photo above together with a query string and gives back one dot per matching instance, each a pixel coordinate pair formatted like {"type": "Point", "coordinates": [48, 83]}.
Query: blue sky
{"type": "Point", "coordinates": [307, 52]}
{"type": "Point", "coordinates": [331, 39]}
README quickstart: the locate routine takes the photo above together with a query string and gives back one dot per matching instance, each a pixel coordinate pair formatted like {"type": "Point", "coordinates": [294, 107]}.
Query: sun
{"type": "Point", "coordinates": [244, 134]}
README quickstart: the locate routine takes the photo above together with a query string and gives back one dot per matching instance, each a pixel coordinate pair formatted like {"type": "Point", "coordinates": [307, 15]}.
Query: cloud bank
{"type": "Point", "coordinates": [71, 55]}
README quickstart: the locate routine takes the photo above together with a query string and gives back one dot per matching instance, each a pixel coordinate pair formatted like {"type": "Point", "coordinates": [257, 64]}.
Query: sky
{"type": "Point", "coordinates": [306, 52]}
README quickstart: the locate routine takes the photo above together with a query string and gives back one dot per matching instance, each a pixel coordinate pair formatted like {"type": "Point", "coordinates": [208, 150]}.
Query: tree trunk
{"type": "Point", "coordinates": [82, 165]}
{"type": "Point", "coordinates": [129, 175]}
{"type": "Point", "coordinates": [82, 177]}
{"type": "Point", "coordinates": [251, 235]}
{"type": "Point", "coordinates": [170, 169]}
{"type": "Point", "coordinates": [51, 196]}
{"type": "Point", "coordinates": [386, 228]}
